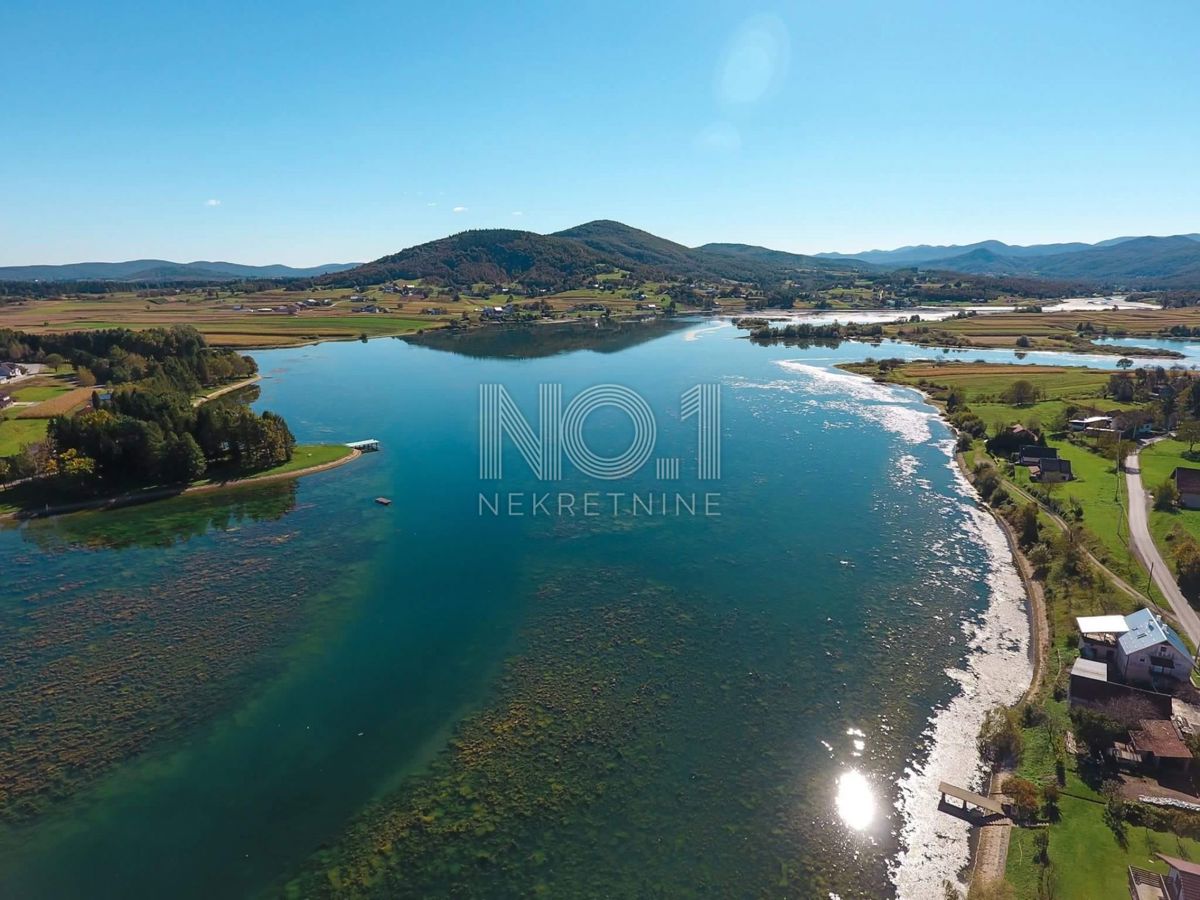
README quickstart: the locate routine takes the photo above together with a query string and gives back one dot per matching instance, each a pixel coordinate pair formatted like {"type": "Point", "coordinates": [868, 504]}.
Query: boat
{"type": "Point", "coordinates": [383, 501]}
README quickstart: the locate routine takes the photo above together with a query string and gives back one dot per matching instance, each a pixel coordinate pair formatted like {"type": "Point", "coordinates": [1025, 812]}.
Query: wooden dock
{"type": "Point", "coordinates": [969, 798]}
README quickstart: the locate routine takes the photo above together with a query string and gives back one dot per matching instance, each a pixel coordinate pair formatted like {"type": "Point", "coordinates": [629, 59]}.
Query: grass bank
{"type": "Point", "coordinates": [29, 499]}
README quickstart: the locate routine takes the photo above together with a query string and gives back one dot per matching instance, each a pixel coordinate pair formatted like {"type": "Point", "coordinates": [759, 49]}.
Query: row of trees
{"type": "Point", "coordinates": [160, 443]}
{"type": "Point", "coordinates": [146, 430]}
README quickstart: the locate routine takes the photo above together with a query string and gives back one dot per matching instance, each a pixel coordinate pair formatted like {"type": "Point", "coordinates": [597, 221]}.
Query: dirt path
{"type": "Point", "coordinates": [1147, 553]}
{"type": "Point", "coordinates": [228, 389]}
{"type": "Point", "coordinates": [991, 853]}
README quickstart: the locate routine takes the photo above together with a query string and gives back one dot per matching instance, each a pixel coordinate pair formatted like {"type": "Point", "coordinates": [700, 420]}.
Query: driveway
{"type": "Point", "coordinates": [1143, 547]}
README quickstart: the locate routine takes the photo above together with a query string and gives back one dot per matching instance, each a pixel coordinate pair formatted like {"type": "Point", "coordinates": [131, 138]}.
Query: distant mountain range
{"type": "Point", "coordinates": [547, 260]}
{"type": "Point", "coordinates": [159, 270]}
{"type": "Point", "coordinates": [1151, 261]}
{"type": "Point", "coordinates": [564, 257]}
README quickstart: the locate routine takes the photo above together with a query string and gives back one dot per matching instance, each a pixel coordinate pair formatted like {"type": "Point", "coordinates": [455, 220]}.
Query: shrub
{"type": "Point", "coordinates": [1166, 496]}
{"type": "Point", "coordinates": [1000, 736]}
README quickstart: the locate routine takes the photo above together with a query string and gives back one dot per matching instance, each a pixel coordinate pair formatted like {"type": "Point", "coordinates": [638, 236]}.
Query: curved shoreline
{"type": "Point", "coordinates": [163, 493]}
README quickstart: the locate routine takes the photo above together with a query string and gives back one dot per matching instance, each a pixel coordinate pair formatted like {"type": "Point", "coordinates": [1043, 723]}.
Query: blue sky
{"type": "Point", "coordinates": [306, 133]}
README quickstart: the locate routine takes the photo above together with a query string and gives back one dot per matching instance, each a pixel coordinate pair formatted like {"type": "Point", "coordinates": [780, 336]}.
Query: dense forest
{"type": "Point", "coordinates": [145, 429]}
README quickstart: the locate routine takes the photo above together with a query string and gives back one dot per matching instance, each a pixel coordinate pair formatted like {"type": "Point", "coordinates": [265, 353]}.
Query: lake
{"type": "Point", "coordinates": [752, 686]}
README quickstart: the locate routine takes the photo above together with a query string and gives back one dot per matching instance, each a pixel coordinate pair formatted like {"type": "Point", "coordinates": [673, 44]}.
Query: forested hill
{"type": "Point", "coordinates": [560, 259]}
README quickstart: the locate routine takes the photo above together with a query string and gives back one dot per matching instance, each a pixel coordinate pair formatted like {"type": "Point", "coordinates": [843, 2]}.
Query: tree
{"type": "Point", "coordinates": [1024, 794]}
{"type": "Point", "coordinates": [1041, 843]}
{"type": "Point", "coordinates": [1166, 496]}
{"type": "Point", "coordinates": [1023, 341]}
{"type": "Point", "coordinates": [1050, 794]}
{"type": "Point", "coordinates": [183, 460]}
{"type": "Point", "coordinates": [1027, 524]}
{"type": "Point", "coordinates": [1188, 431]}
{"type": "Point", "coordinates": [1000, 735]}
{"type": "Point", "coordinates": [85, 377]}
{"type": "Point", "coordinates": [1124, 363]}
{"type": "Point", "coordinates": [1096, 730]}
{"type": "Point", "coordinates": [1020, 393]}
{"type": "Point", "coordinates": [1187, 566]}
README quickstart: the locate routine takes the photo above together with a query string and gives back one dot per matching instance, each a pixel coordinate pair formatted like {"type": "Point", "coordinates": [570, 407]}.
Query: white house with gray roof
{"type": "Point", "coordinates": [1150, 649]}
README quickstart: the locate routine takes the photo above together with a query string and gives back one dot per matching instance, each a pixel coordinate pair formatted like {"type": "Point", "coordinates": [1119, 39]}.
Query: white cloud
{"type": "Point", "coordinates": [518, 213]}
{"type": "Point", "coordinates": [459, 209]}
{"type": "Point", "coordinates": [213, 202]}
{"type": "Point", "coordinates": [431, 204]}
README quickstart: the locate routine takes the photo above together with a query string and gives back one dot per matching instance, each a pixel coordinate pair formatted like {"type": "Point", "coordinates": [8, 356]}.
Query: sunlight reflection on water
{"type": "Point", "coordinates": [855, 800]}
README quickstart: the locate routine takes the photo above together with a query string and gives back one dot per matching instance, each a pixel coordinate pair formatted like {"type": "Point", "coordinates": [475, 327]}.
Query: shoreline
{"type": "Point", "coordinates": [163, 493]}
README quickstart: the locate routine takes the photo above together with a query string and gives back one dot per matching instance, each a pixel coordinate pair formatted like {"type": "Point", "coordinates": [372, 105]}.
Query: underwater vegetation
{"type": "Point", "coordinates": [636, 745]}
{"type": "Point", "coordinates": [117, 653]}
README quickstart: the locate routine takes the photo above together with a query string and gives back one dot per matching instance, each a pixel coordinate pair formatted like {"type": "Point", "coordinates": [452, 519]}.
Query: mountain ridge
{"type": "Point", "coordinates": [162, 270]}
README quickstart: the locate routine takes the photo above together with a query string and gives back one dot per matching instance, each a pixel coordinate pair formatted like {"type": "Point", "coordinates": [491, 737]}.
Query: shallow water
{"type": "Point", "coordinates": [822, 651]}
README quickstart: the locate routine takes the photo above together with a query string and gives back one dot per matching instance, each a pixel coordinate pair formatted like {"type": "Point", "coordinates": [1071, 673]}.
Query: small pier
{"type": "Point", "coordinates": [370, 445]}
{"type": "Point", "coordinates": [982, 804]}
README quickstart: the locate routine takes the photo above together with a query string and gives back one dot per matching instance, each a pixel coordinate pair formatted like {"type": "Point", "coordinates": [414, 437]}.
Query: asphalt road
{"type": "Point", "coordinates": [1144, 549]}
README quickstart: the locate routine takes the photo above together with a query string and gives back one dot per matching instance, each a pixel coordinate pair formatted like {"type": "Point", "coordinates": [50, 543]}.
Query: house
{"type": "Point", "coordinates": [1031, 454]}
{"type": "Point", "coordinates": [1187, 482]}
{"type": "Point", "coordinates": [10, 370]}
{"type": "Point", "coordinates": [1151, 650]}
{"type": "Point", "coordinates": [1052, 469]}
{"type": "Point", "coordinates": [1183, 878]}
{"type": "Point", "coordinates": [5, 401]}
{"type": "Point", "coordinates": [1102, 423]}
{"type": "Point", "coordinates": [1139, 647]}
{"type": "Point", "coordinates": [1158, 743]}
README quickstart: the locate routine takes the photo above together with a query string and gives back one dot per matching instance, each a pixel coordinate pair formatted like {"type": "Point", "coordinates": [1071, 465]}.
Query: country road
{"type": "Point", "coordinates": [1143, 547]}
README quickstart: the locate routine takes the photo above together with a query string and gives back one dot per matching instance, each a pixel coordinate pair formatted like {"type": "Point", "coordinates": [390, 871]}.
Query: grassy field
{"type": "Point", "coordinates": [228, 319]}
{"type": "Point", "coordinates": [306, 456]}
{"type": "Point", "coordinates": [58, 404]}
{"type": "Point", "coordinates": [1048, 330]}
{"type": "Point", "coordinates": [16, 433]}
{"type": "Point", "coordinates": [1158, 461]}
{"type": "Point", "coordinates": [1081, 832]}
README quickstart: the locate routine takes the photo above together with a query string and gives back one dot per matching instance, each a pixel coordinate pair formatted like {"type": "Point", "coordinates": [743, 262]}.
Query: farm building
{"type": "Point", "coordinates": [1187, 482]}
{"type": "Point", "coordinates": [10, 370]}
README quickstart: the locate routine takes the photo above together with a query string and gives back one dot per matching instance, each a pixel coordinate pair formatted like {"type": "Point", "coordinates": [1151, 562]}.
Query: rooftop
{"type": "Point", "coordinates": [1090, 668]}
{"type": "Point", "coordinates": [1146, 629]}
{"type": "Point", "coordinates": [1187, 480]}
{"type": "Point", "coordinates": [1160, 737]}
{"type": "Point", "coordinates": [1101, 624]}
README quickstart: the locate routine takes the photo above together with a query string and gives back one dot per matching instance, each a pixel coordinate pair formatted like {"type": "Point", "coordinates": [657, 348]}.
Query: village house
{"type": "Point", "coordinates": [1050, 469]}
{"type": "Point", "coordinates": [10, 370]}
{"type": "Point", "coordinates": [5, 400]}
{"type": "Point", "coordinates": [1032, 454]}
{"type": "Point", "coordinates": [1090, 422]}
{"type": "Point", "coordinates": [1139, 648]}
{"type": "Point", "coordinates": [1187, 482]}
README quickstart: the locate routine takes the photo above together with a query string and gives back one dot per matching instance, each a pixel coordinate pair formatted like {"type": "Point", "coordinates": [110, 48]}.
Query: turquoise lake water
{"type": "Point", "coordinates": [202, 692]}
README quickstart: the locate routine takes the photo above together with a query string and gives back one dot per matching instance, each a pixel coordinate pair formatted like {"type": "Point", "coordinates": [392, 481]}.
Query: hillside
{"type": "Point", "coordinates": [485, 255]}
{"type": "Point", "coordinates": [497, 255]}
{"type": "Point", "coordinates": [161, 270]}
